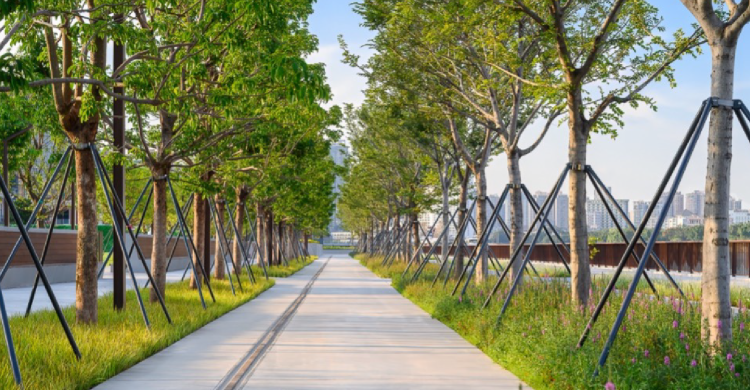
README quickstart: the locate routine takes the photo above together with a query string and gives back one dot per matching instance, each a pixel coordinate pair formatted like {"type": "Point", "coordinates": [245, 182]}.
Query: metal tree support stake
{"type": "Point", "coordinates": [40, 270]}
{"type": "Point", "coordinates": [115, 206]}
{"type": "Point", "coordinates": [682, 157]}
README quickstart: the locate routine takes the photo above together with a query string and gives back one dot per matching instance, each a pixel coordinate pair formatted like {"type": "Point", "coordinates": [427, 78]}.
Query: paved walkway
{"type": "Point", "coordinates": [16, 299]}
{"type": "Point", "coordinates": [350, 331]}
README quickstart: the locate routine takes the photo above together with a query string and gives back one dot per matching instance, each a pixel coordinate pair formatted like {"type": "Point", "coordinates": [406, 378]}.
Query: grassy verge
{"type": "Point", "coordinates": [117, 342]}
{"type": "Point", "coordinates": [342, 247]}
{"type": "Point", "coordinates": [659, 346]}
{"type": "Point", "coordinates": [283, 271]}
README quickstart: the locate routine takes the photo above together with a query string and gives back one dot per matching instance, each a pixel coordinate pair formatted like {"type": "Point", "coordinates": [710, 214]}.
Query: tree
{"type": "Point", "coordinates": [614, 47]}
{"type": "Point", "coordinates": [722, 29]}
{"type": "Point", "coordinates": [470, 58]}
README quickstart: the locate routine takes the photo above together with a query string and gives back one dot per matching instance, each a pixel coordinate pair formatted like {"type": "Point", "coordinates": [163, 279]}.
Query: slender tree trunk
{"type": "Point", "coordinates": [463, 213]}
{"type": "Point", "coordinates": [260, 231]}
{"type": "Point", "coordinates": [481, 186]}
{"type": "Point", "coordinates": [415, 235]}
{"type": "Point", "coordinates": [239, 221]}
{"type": "Point", "coordinates": [516, 212]}
{"type": "Point", "coordinates": [87, 248]}
{"type": "Point", "coordinates": [269, 238]}
{"type": "Point", "coordinates": [199, 213]}
{"type": "Point", "coordinates": [219, 262]}
{"type": "Point", "coordinates": [445, 215]}
{"type": "Point", "coordinates": [579, 246]}
{"type": "Point", "coordinates": [159, 245]}
{"type": "Point", "coordinates": [715, 303]}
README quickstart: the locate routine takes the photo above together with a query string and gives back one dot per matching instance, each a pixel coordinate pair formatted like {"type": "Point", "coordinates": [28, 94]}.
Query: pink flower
{"type": "Point", "coordinates": [674, 324]}
{"type": "Point", "coordinates": [736, 374]}
{"type": "Point", "coordinates": [693, 363]}
{"type": "Point", "coordinates": [632, 360]}
{"type": "Point", "coordinates": [610, 386]}
{"type": "Point", "coordinates": [742, 326]}
{"type": "Point", "coordinates": [731, 367]}
{"type": "Point", "coordinates": [682, 335]}
{"type": "Point", "coordinates": [645, 353]}
{"type": "Point", "coordinates": [666, 360]}
{"type": "Point", "coordinates": [729, 356]}
{"type": "Point", "coordinates": [687, 347]}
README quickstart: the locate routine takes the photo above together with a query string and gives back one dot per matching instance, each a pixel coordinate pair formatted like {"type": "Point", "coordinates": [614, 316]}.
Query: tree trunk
{"type": "Point", "coordinates": [415, 235]}
{"type": "Point", "coordinates": [715, 303]}
{"type": "Point", "coordinates": [516, 212]}
{"type": "Point", "coordinates": [159, 245]}
{"type": "Point", "coordinates": [481, 186]}
{"type": "Point", "coordinates": [463, 213]}
{"type": "Point", "coordinates": [579, 245]}
{"type": "Point", "coordinates": [446, 217]}
{"type": "Point", "coordinates": [239, 221]}
{"type": "Point", "coordinates": [269, 238]}
{"type": "Point", "coordinates": [199, 230]}
{"type": "Point", "coordinates": [87, 248]}
{"type": "Point", "coordinates": [219, 262]}
{"type": "Point", "coordinates": [260, 231]}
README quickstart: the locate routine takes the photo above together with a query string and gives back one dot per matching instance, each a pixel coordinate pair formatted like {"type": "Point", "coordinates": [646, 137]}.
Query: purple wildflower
{"type": "Point", "coordinates": [645, 353]}
{"type": "Point", "coordinates": [666, 360]}
{"type": "Point", "coordinates": [742, 326]}
{"type": "Point", "coordinates": [632, 360]}
{"type": "Point", "coordinates": [674, 324]}
{"type": "Point", "coordinates": [693, 363]}
{"type": "Point", "coordinates": [729, 356]}
{"type": "Point", "coordinates": [736, 374]}
{"type": "Point", "coordinates": [687, 347]}
{"type": "Point", "coordinates": [610, 386]}
{"type": "Point", "coordinates": [731, 367]}
{"type": "Point", "coordinates": [682, 335]}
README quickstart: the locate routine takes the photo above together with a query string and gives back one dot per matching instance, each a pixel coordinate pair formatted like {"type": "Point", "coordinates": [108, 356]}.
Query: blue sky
{"type": "Point", "coordinates": [632, 165]}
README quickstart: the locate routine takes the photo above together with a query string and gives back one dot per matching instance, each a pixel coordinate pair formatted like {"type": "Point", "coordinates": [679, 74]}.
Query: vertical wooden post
{"type": "Point", "coordinates": [118, 177]}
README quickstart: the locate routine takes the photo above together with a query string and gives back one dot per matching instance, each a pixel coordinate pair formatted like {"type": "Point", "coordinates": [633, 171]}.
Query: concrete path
{"type": "Point", "coordinates": [16, 299]}
{"type": "Point", "coordinates": [351, 331]}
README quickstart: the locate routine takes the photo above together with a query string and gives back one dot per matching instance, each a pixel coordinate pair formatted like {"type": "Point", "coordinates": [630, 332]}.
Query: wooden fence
{"type": "Point", "coordinates": [682, 256]}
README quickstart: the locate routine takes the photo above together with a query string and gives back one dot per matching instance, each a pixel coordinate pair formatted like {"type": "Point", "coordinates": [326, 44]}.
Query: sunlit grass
{"type": "Point", "coordinates": [118, 341]}
{"type": "Point", "coordinates": [283, 271]}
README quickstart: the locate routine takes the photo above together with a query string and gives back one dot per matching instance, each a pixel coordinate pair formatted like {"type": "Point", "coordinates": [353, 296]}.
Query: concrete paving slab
{"type": "Point", "coordinates": [352, 331]}
{"type": "Point", "coordinates": [203, 358]}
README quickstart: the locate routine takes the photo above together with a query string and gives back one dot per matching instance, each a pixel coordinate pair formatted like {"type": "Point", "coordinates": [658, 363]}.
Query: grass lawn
{"type": "Point", "coordinates": [117, 342]}
{"type": "Point", "coordinates": [284, 271]}
{"type": "Point", "coordinates": [659, 346]}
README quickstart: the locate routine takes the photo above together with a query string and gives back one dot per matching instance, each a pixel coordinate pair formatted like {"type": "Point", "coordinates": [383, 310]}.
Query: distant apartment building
{"type": "Point", "coordinates": [739, 216]}
{"type": "Point", "coordinates": [638, 211]}
{"type": "Point", "coordinates": [694, 202]}
{"type": "Point", "coordinates": [598, 218]}
{"type": "Point", "coordinates": [560, 212]}
{"type": "Point", "coordinates": [683, 221]}
{"type": "Point", "coordinates": [678, 203]}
